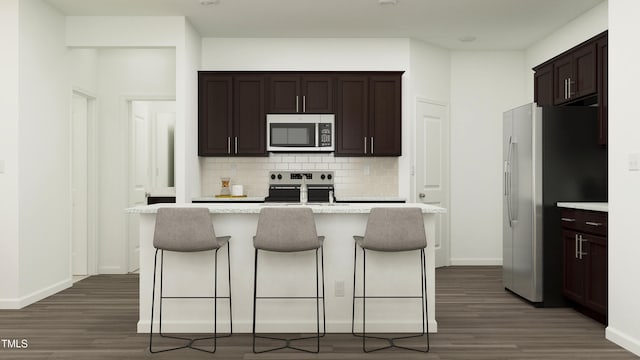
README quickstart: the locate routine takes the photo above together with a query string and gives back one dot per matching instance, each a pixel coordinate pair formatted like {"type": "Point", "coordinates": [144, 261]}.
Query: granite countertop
{"type": "Point", "coordinates": [369, 198]}
{"type": "Point", "coordinates": [230, 199]}
{"type": "Point", "coordinates": [593, 206]}
{"type": "Point", "coordinates": [252, 208]}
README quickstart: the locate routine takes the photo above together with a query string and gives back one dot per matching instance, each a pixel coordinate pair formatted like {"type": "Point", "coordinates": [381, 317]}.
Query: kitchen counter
{"type": "Point", "coordinates": [193, 274]}
{"type": "Point", "coordinates": [593, 206]}
{"type": "Point", "coordinates": [213, 199]}
{"type": "Point", "coordinates": [360, 199]}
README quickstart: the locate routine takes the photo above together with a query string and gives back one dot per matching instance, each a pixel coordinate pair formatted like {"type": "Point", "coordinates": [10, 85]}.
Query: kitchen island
{"type": "Point", "coordinates": [191, 274]}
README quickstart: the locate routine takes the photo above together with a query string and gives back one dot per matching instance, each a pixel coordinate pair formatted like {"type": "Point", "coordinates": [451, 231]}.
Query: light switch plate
{"type": "Point", "coordinates": [634, 162]}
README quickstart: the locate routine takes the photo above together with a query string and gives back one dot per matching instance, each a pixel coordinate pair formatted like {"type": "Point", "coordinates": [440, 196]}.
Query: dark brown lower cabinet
{"type": "Point", "coordinates": [584, 237]}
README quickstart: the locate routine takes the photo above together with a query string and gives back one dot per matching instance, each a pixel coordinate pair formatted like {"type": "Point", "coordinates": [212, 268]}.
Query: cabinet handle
{"type": "Point", "coordinates": [593, 223]}
{"type": "Point", "coordinates": [304, 104]}
{"type": "Point", "coordinates": [581, 241]}
{"type": "Point", "coordinates": [569, 82]}
{"type": "Point", "coordinates": [576, 247]}
{"type": "Point", "coordinates": [228, 144]}
{"type": "Point", "coordinates": [565, 89]}
{"type": "Point", "coordinates": [365, 144]}
{"type": "Point", "coordinates": [372, 145]}
{"type": "Point", "coordinates": [236, 141]}
{"type": "Point", "coordinates": [568, 219]}
{"type": "Point", "coordinates": [297, 104]}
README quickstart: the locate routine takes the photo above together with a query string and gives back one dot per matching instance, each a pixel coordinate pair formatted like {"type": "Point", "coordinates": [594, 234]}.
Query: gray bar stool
{"type": "Point", "coordinates": [290, 229]}
{"type": "Point", "coordinates": [391, 230]}
{"type": "Point", "coordinates": [188, 230]}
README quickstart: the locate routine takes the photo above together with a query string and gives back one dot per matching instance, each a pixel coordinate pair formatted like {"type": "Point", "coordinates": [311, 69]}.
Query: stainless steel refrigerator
{"type": "Point", "coordinates": [550, 154]}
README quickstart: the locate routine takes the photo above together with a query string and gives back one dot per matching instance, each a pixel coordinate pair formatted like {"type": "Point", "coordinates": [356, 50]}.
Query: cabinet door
{"type": "Point", "coordinates": [573, 268]}
{"type": "Point", "coordinates": [284, 94]}
{"type": "Point", "coordinates": [249, 116]}
{"type": "Point", "coordinates": [583, 80]}
{"type": "Point", "coordinates": [351, 115]}
{"type": "Point", "coordinates": [562, 72]}
{"type": "Point", "coordinates": [385, 123]}
{"type": "Point", "coordinates": [595, 257]}
{"type": "Point", "coordinates": [317, 94]}
{"type": "Point", "coordinates": [603, 90]}
{"type": "Point", "coordinates": [215, 103]}
{"type": "Point", "coordinates": [543, 86]}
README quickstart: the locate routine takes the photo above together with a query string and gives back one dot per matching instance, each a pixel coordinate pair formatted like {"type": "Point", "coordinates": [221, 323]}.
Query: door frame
{"type": "Point", "coordinates": [125, 116]}
{"type": "Point", "coordinates": [92, 179]}
{"type": "Point", "coordinates": [417, 140]}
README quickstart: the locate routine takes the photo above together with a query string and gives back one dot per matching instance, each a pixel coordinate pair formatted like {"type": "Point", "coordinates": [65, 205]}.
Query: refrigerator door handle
{"type": "Point", "coordinates": [514, 165]}
{"type": "Point", "coordinates": [507, 181]}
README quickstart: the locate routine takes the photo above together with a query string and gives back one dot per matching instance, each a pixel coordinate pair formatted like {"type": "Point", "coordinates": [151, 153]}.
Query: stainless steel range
{"type": "Point", "coordinates": [284, 186]}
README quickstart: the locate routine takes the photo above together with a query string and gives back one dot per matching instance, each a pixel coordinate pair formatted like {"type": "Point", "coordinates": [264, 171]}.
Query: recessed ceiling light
{"type": "Point", "coordinates": [467, 38]}
{"type": "Point", "coordinates": [208, 2]}
{"type": "Point", "coordinates": [387, 2]}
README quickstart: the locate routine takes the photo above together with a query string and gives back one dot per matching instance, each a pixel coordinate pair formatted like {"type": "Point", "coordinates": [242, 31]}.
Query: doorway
{"type": "Point", "coordinates": [151, 161]}
{"type": "Point", "coordinates": [432, 168]}
{"type": "Point", "coordinates": [83, 185]}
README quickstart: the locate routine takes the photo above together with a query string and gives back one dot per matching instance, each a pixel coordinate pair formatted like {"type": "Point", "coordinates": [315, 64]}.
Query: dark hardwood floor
{"type": "Point", "coordinates": [477, 319]}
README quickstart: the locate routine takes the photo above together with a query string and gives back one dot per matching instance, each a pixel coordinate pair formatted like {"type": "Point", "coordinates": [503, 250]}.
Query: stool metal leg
{"type": "Point", "coordinates": [317, 298]}
{"type": "Point", "coordinates": [191, 341]}
{"type": "Point", "coordinates": [392, 340]}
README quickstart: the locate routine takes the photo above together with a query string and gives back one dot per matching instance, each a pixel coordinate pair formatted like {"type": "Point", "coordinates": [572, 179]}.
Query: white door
{"type": "Point", "coordinates": [139, 173]}
{"type": "Point", "coordinates": [432, 169]}
{"type": "Point", "coordinates": [79, 184]}
{"type": "Point", "coordinates": [151, 160]}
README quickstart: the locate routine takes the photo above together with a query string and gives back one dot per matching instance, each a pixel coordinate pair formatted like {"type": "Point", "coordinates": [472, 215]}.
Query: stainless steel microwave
{"type": "Point", "coordinates": [300, 132]}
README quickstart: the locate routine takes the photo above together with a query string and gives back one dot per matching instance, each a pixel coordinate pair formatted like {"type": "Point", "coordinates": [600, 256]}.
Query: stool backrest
{"type": "Point", "coordinates": [395, 229]}
{"type": "Point", "coordinates": [184, 230]}
{"type": "Point", "coordinates": [286, 229]}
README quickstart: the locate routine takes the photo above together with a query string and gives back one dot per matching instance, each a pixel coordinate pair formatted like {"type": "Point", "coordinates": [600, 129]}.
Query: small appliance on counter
{"type": "Point", "coordinates": [284, 186]}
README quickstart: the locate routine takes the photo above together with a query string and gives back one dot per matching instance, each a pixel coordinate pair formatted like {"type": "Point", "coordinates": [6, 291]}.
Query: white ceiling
{"type": "Point", "coordinates": [497, 24]}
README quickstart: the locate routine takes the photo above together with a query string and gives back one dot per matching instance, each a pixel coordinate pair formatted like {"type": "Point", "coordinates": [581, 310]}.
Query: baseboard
{"type": "Point", "coordinates": [19, 303]}
{"type": "Point", "coordinates": [623, 340]}
{"type": "Point", "coordinates": [117, 270]}
{"type": "Point", "coordinates": [246, 327]}
{"type": "Point", "coordinates": [476, 262]}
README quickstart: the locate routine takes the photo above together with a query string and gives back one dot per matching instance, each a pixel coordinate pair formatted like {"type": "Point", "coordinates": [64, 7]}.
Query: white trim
{"type": "Point", "coordinates": [92, 178]}
{"type": "Point", "coordinates": [281, 327]}
{"type": "Point", "coordinates": [622, 339]}
{"type": "Point", "coordinates": [112, 270]}
{"type": "Point", "coordinates": [476, 261]}
{"type": "Point", "coordinates": [19, 303]}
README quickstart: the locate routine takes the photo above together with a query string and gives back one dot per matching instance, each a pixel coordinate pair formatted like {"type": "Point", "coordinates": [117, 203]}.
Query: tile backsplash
{"type": "Point", "coordinates": [354, 176]}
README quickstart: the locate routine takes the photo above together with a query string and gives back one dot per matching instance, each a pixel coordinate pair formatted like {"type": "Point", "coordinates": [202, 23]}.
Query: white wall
{"type": "Point", "coordinates": [188, 170]}
{"type": "Point", "coordinates": [44, 153]}
{"type": "Point", "coordinates": [586, 26]}
{"type": "Point", "coordinates": [123, 74]}
{"type": "Point", "coordinates": [624, 185]}
{"type": "Point", "coordinates": [9, 112]}
{"type": "Point", "coordinates": [84, 70]}
{"type": "Point", "coordinates": [483, 86]}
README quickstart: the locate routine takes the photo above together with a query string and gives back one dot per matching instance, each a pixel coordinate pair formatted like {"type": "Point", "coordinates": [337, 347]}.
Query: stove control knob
{"type": "Point", "coordinates": [279, 176]}
{"type": "Point", "coordinates": [322, 176]}
{"type": "Point", "coordinates": [273, 176]}
{"type": "Point", "coordinates": [329, 176]}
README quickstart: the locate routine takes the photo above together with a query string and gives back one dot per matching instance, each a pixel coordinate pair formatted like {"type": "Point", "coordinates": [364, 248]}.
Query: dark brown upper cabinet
{"type": "Point", "coordinates": [215, 114]}
{"type": "Point", "coordinates": [575, 74]}
{"type": "Point", "coordinates": [579, 76]}
{"type": "Point", "coordinates": [292, 93]}
{"type": "Point", "coordinates": [543, 86]}
{"type": "Point", "coordinates": [352, 115]}
{"type": "Point", "coordinates": [368, 115]}
{"type": "Point", "coordinates": [603, 89]}
{"type": "Point", "coordinates": [231, 115]}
